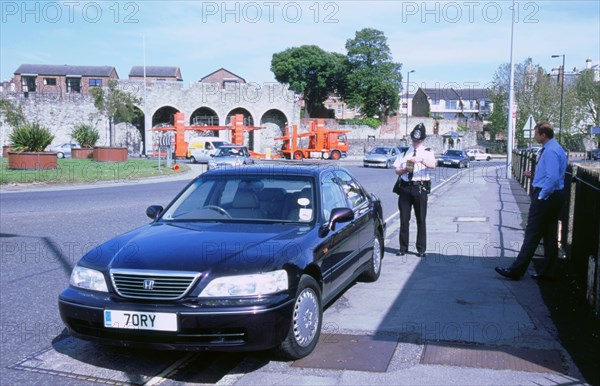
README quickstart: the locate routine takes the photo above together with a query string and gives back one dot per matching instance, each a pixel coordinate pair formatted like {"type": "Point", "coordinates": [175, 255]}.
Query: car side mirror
{"type": "Point", "coordinates": [340, 215]}
{"type": "Point", "coordinates": [153, 211]}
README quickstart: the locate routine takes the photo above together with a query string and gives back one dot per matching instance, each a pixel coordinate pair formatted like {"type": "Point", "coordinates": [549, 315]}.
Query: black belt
{"type": "Point", "coordinates": [412, 183]}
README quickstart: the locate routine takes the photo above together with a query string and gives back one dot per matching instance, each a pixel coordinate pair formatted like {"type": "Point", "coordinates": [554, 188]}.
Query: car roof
{"type": "Point", "coordinates": [276, 170]}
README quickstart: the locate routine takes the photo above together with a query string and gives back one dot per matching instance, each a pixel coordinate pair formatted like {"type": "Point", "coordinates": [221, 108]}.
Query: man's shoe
{"type": "Point", "coordinates": [508, 273]}
{"type": "Point", "coordinates": [421, 254]}
{"type": "Point", "coordinates": [400, 253]}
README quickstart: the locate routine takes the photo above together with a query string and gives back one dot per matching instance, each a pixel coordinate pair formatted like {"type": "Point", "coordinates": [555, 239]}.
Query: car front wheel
{"type": "Point", "coordinates": [60, 155]}
{"type": "Point", "coordinates": [193, 159]}
{"type": "Point", "coordinates": [307, 317]}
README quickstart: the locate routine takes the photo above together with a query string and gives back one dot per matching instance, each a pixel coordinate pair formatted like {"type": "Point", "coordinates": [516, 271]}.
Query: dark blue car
{"type": "Point", "coordinates": [242, 259]}
{"type": "Point", "coordinates": [455, 158]}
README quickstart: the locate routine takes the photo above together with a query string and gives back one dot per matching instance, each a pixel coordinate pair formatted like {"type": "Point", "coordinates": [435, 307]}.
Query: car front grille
{"type": "Point", "coordinates": [159, 285]}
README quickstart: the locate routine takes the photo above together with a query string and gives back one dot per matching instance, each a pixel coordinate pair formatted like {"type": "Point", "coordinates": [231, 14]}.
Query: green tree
{"type": "Point", "coordinates": [11, 114]}
{"type": "Point", "coordinates": [374, 80]}
{"type": "Point", "coordinates": [116, 105]}
{"type": "Point", "coordinates": [587, 93]}
{"type": "Point", "coordinates": [311, 72]}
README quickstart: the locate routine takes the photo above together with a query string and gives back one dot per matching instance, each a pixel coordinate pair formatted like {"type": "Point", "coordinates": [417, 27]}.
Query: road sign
{"type": "Point", "coordinates": [595, 130]}
{"type": "Point", "coordinates": [530, 124]}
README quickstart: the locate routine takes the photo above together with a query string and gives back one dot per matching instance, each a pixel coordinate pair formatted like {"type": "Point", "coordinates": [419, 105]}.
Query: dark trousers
{"type": "Point", "coordinates": [542, 223]}
{"type": "Point", "coordinates": [413, 197]}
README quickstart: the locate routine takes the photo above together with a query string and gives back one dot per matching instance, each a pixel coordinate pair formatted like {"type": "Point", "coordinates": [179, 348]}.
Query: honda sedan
{"type": "Point", "coordinates": [242, 259]}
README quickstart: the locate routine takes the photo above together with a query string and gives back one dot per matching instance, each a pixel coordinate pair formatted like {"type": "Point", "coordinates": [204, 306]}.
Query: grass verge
{"type": "Point", "coordinates": [87, 170]}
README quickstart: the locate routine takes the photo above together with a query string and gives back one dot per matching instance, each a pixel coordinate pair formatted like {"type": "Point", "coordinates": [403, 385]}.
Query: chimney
{"type": "Point", "coordinates": [588, 64]}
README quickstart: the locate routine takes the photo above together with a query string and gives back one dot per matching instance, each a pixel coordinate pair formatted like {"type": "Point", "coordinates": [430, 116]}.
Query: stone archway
{"type": "Point", "coordinates": [274, 121]}
{"type": "Point", "coordinates": [248, 121]}
{"type": "Point", "coordinates": [205, 116]}
{"type": "Point", "coordinates": [164, 116]}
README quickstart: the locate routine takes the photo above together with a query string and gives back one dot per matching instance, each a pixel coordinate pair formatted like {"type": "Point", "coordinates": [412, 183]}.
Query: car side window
{"type": "Point", "coordinates": [333, 196]}
{"type": "Point", "coordinates": [354, 193]}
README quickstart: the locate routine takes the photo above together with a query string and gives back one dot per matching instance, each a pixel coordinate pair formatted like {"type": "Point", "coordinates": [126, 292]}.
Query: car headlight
{"type": "Point", "coordinates": [247, 285]}
{"type": "Point", "coordinates": [87, 278]}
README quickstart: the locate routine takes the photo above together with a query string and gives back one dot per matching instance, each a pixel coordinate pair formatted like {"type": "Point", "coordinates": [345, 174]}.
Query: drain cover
{"type": "Point", "coordinates": [351, 352]}
{"type": "Point", "coordinates": [498, 358]}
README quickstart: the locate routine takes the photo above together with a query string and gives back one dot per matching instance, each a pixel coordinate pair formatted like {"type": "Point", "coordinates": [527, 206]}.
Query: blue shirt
{"type": "Point", "coordinates": [550, 171]}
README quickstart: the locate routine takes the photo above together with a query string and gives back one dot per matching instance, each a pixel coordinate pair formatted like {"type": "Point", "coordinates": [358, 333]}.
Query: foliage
{"type": "Point", "coordinates": [311, 72]}
{"type": "Point", "coordinates": [572, 142]}
{"type": "Point", "coordinates": [587, 93]}
{"type": "Point", "coordinates": [30, 137]}
{"type": "Point", "coordinates": [115, 104]}
{"type": "Point", "coordinates": [371, 122]}
{"type": "Point", "coordinates": [374, 80]}
{"type": "Point", "coordinates": [85, 135]}
{"type": "Point", "coordinates": [14, 116]}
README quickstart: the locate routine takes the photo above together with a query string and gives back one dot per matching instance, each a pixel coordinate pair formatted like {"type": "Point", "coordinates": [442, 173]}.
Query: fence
{"type": "Point", "coordinates": [579, 221]}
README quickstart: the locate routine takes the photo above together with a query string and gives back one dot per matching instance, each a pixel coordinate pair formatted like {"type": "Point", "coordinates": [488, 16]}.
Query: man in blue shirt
{"type": "Point", "coordinates": [547, 198]}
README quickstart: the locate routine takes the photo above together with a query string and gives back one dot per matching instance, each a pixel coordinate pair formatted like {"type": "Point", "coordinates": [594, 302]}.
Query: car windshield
{"type": "Point", "coordinates": [455, 153]}
{"type": "Point", "coordinates": [381, 150]}
{"type": "Point", "coordinates": [250, 198]}
{"type": "Point", "coordinates": [231, 152]}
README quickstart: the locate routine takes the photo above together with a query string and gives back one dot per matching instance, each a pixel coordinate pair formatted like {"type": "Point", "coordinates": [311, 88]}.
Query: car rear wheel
{"type": "Point", "coordinates": [488, 158]}
{"type": "Point", "coordinates": [372, 273]}
{"type": "Point", "coordinates": [193, 159]}
{"type": "Point", "coordinates": [307, 317]}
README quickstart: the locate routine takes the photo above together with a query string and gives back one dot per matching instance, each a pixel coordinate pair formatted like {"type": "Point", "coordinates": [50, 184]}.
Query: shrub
{"type": "Point", "coordinates": [85, 135]}
{"type": "Point", "coordinates": [30, 137]}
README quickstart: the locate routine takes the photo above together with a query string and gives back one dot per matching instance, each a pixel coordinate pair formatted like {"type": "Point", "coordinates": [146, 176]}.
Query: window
{"type": "Point", "coordinates": [333, 197]}
{"type": "Point", "coordinates": [353, 192]}
{"type": "Point", "coordinates": [28, 83]}
{"type": "Point", "coordinates": [95, 82]}
{"type": "Point", "coordinates": [73, 85]}
{"type": "Point", "coordinates": [50, 81]}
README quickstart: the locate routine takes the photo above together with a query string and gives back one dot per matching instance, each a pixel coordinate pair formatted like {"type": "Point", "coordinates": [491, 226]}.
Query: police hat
{"type": "Point", "coordinates": [418, 134]}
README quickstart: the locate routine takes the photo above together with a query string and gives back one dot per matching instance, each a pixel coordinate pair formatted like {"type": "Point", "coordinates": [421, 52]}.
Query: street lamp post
{"type": "Point", "coordinates": [562, 91]}
{"type": "Point", "coordinates": [407, 85]}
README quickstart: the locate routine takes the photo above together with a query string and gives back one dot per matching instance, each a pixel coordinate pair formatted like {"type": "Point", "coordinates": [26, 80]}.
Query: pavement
{"type": "Point", "coordinates": [443, 319]}
{"type": "Point", "coordinates": [447, 318]}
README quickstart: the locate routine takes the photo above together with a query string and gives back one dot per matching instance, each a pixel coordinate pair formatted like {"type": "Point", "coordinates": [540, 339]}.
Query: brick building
{"type": "Point", "coordinates": [156, 74]}
{"type": "Point", "coordinates": [61, 79]}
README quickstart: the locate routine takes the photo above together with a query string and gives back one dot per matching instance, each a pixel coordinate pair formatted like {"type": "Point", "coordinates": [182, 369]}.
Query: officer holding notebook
{"type": "Point", "coordinates": [413, 186]}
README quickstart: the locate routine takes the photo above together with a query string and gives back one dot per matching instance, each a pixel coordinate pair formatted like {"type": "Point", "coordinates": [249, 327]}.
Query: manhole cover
{"type": "Point", "coordinates": [351, 352]}
{"type": "Point", "coordinates": [471, 219]}
{"type": "Point", "coordinates": [497, 358]}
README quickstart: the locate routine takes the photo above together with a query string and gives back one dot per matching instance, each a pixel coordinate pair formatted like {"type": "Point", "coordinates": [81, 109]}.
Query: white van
{"type": "Point", "coordinates": [201, 150]}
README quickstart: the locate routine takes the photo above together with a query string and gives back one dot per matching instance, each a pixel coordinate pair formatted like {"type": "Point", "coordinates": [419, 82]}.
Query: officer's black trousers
{"type": "Point", "coordinates": [413, 197]}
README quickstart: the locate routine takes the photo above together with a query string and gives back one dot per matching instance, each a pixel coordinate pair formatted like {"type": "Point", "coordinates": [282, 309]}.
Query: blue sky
{"type": "Point", "coordinates": [446, 42]}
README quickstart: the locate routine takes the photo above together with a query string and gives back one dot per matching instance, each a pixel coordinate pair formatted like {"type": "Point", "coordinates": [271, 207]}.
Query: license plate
{"type": "Point", "coordinates": [447, 163]}
{"type": "Point", "coordinates": [159, 321]}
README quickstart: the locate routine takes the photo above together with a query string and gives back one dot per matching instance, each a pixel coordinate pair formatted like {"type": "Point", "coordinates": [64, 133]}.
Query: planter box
{"type": "Point", "coordinates": [82, 153]}
{"type": "Point", "coordinates": [32, 161]}
{"type": "Point", "coordinates": [5, 150]}
{"type": "Point", "coordinates": [110, 154]}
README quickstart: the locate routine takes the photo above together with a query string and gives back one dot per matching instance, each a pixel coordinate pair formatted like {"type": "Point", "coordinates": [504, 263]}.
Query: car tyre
{"type": "Point", "coordinates": [467, 165]}
{"type": "Point", "coordinates": [488, 158]}
{"type": "Point", "coordinates": [298, 155]}
{"type": "Point", "coordinates": [307, 316]}
{"type": "Point", "coordinates": [388, 164]}
{"type": "Point", "coordinates": [193, 159]}
{"type": "Point", "coordinates": [335, 155]}
{"type": "Point", "coordinates": [372, 273]}
{"type": "Point", "coordinates": [60, 155]}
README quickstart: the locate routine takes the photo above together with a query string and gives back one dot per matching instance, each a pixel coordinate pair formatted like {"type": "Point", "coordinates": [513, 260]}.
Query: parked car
{"type": "Point", "coordinates": [63, 150]}
{"type": "Point", "coordinates": [240, 260]}
{"type": "Point", "coordinates": [230, 155]}
{"type": "Point", "coordinates": [381, 156]}
{"type": "Point", "coordinates": [403, 149]}
{"type": "Point", "coordinates": [201, 150]}
{"type": "Point", "coordinates": [595, 154]}
{"type": "Point", "coordinates": [478, 155]}
{"type": "Point", "coordinates": [458, 158]}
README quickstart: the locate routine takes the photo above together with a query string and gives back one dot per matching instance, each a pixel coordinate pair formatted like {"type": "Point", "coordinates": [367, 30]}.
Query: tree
{"type": "Point", "coordinates": [13, 115]}
{"type": "Point", "coordinates": [587, 92]}
{"type": "Point", "coordinates": [374, 80]}
{"type": "Point", "coordinates": [311, 72]}
{"type": "Point", "coordinates": [115, 104]}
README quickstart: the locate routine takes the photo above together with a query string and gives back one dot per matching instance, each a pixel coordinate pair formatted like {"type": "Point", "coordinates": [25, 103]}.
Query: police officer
{"type": "Point", "coordinates": [415, 182]}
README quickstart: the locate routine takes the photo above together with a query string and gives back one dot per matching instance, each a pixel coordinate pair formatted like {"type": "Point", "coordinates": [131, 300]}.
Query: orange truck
{"type": "Point", "coordinates": [318, 142]}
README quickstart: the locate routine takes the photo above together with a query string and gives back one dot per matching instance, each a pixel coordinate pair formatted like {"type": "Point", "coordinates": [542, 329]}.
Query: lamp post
{"type": "Point", "coordinates": [407, 85]}
{"type": "Point", "coordinates": [562, 91]}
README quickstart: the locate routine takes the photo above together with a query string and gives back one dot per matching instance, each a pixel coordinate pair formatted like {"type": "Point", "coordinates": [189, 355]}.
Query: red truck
{"type": "Point", "coordinates": [318, 142]}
